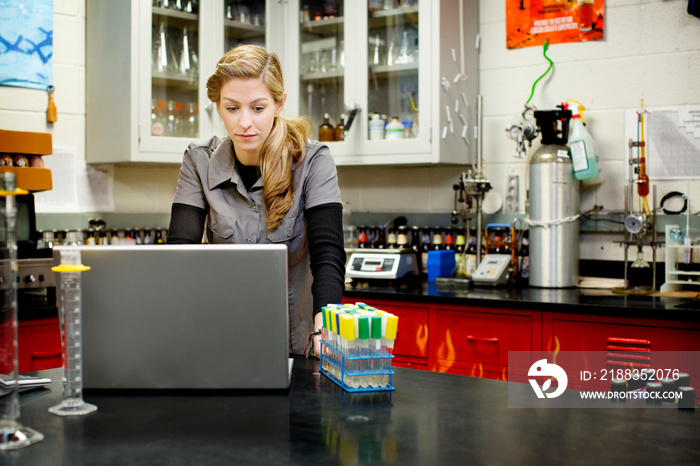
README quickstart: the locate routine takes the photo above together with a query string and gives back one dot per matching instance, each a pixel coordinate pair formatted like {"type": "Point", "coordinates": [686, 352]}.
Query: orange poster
{"type": "Point", "coordinates": [532, 22]}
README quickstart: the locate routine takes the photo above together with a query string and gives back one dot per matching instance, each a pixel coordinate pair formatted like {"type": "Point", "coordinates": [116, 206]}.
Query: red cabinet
{"type": "Point", "coordinates": [39, 344]}
{"type": "Point", "coordinates": [601, 344]}
{"type": "Point", "coordinates": [475, 341]}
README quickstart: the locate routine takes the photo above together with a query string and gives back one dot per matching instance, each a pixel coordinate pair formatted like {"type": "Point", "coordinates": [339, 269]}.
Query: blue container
{"type": "Point", "coordinates": [440, 264]}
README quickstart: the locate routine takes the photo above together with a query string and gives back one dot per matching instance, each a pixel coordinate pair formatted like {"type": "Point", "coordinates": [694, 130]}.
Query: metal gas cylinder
{"type": "Point", "coordinates": [554, 206]}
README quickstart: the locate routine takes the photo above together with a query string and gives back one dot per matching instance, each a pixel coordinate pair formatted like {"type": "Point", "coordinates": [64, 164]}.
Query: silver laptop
{"type": "Point", "coordinates": [184, 316]}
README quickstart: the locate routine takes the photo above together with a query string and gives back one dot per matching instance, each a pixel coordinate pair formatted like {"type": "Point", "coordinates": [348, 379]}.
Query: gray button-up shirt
{"type": "Point", "coordinates": [209, 180]}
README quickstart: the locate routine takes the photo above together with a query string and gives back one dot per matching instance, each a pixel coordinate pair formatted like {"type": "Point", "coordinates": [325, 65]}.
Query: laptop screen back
{"type": "Point", "coordinates": [184, 316]}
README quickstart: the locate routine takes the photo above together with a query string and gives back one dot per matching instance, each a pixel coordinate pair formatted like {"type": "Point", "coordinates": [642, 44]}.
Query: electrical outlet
{"type": "Point", "coordinates": [511, 204]}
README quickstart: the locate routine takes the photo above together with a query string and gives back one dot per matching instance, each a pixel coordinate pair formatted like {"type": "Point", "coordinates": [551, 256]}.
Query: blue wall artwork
{"type": "Point", "coordinates": [26, 43]}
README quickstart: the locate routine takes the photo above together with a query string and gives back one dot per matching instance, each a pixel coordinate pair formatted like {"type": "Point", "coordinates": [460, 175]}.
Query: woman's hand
{"type": "Point", "coordinates": [318, 324]}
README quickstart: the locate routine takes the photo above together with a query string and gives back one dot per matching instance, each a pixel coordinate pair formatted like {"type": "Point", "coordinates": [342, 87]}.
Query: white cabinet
{"type": "Point", "coordinates": [415, 60]}
{"type": "Point", "coordinates": [411, 59]}
{"type": "Point", "coordinates": [143, 56]}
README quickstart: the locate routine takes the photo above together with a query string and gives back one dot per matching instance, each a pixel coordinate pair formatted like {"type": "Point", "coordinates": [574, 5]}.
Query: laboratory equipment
{"type": "Point", "coordinates": [554, 204]}
{"type": "Point", "coordinates": [382, 264]}
{"type": "Point", "coordinates": [640, 220]}
{"type": "Point", "coordinates": [13, 435]}
{"type": "Point", "coordinates": [494, 270]}
{"type": "Point", "coordinates": [470, 192]}
{"type": "Point", "coordinates": [70, 269]}
{"type": "Point", "coordinates": [523, 131]}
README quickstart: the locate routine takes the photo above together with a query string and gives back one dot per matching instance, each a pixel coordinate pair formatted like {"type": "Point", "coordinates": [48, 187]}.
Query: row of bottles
{"type": "Point", "coordinates": [395, 129]}
{"type": "Point", "coordinates": [252, 13]}
{"type": "Point", "coordinates": [174, 119]}
{"type": "Point", "coordinates": [422, 240]}
{"type": "Point", "coordinates": [97, 237]}
{"type": "Point", "coordinates": [188, 6]}
{"type": "Point", "coordinates": [377, 5]}
{"type": "Point", "coordinates": [327, 132]}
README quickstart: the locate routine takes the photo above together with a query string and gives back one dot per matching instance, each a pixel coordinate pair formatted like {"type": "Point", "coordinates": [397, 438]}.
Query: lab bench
{"type": "Point", "coordinates": [470, 331]}
{"type": "Point", "coordinates": [430, 418]}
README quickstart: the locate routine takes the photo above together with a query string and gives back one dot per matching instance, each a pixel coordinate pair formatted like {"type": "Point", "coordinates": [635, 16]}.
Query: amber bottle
{"type": "Point", "coordinates": [326, 131]}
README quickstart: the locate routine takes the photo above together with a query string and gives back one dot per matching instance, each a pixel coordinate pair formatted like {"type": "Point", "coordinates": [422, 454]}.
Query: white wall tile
{"type": "Point", "coordinates": [69, 40]}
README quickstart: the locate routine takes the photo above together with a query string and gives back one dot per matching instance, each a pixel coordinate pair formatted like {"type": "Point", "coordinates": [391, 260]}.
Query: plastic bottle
{"type": "Point", "coordinates": [376, 127]}
{"type": "Point", "coordinates": [191, 121]}
{"type": "Point", "coordinates": [394, 129]}
{"type": "Point", "coordinates": [172, 120]}
{"type": "Point", "coordinates": [325, 131]}
{"type": "Point", "coordinates": [581, 145]}
{"type": "Point", "coordinates": [158, 119]}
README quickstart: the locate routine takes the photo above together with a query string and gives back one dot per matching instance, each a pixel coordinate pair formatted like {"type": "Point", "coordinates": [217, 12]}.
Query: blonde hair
{"type": "Point", "coordinates": [285, 147]}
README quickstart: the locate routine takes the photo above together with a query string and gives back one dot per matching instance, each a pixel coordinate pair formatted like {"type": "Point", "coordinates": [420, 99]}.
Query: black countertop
{"type": "Point", "coordinates": [672, 306]}
{"type": "Point", "coordinates": [430, 418]}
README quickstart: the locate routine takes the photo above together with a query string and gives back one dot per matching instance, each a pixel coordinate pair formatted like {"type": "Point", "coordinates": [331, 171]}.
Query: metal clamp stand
{"type": "Point", "coordinates": [636, 227]}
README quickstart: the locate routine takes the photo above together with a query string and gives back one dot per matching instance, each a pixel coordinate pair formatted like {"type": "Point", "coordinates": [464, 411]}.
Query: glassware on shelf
{"type": "Point", "coordinates": [188, 56]}
{"type": "Point", "coordinates": [391, 54]}
{"type": "Point", "coordinates": [164, 58]}
{"type": "Point", "coordinates": [376, 58]}
{"type": "Point", "coordinates": [172, 125]}
{"type": "Point", "coordinates": [191, 121]}
{"type": "Point", "coordinates": [158, 119]}
{"type": "Point", "coordinates": [406, 52]}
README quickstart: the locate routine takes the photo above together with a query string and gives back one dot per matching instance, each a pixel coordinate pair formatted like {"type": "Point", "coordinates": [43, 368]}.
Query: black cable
{"type": "Point", "coordinates": [671, 195]}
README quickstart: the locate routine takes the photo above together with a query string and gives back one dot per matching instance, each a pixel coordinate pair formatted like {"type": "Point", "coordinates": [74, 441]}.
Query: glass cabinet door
{"type": "Point", "coordinates": [322, 67]}
{"type": "Point", "coordinates": [244, 23]}
{"type": "Point", "coordinates": [392, 92]}
{"type": "Point", "coordinates": [175, 68]}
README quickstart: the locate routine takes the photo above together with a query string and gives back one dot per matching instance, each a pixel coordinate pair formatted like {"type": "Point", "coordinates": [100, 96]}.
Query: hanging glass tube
{"type": "Point", "coordinates": [13, 435]}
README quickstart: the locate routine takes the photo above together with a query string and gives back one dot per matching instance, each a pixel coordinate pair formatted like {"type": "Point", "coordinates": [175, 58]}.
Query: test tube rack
{"type": "Point", "coordinates": [357, 374]}
{"type": "Point", "coordinates": [356, 347]}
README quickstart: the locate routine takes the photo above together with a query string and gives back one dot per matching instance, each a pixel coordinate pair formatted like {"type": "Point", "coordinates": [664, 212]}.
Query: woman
{"type": "Point", "coordinates": [264, 183]}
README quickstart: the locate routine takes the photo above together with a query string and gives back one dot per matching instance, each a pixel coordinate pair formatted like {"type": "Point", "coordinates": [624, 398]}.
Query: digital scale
{"type": "Point", "coordinates": [494, 270]}
{"type": "Point", "coordinates": [381, 264]}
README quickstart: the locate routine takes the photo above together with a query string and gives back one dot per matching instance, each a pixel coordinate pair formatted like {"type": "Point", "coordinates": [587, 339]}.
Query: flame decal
{"type": "Point", "coordinates": [422, 339]}
{"type": "Point", "coordinates": [446, 352]}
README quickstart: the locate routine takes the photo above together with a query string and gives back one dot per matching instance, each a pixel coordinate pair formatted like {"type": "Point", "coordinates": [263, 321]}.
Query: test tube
{"type": "Point", "coordinates": [347, 333]}
{"type": "Point", "coordinates": [392, 323]}
{"type": "Point", "coordinates": [363, 322]}
{"type": "Point", "coordinates": [13, 435]}
{"type": "Point", "coordinates": [70, 269]}
{"type": "Point", "coordinates": [377, 354]}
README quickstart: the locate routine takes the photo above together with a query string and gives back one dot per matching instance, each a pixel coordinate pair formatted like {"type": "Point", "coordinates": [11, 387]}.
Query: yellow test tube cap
{"type": "Point", "coordinates": [347, 326]}
{"type": "Point", "coordinates": [392, 324]}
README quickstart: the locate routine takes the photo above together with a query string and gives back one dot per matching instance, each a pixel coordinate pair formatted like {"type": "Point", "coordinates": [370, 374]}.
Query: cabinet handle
{"type": "Point", "coordinates": [45, 354]}
{"type": "Point", "coordinates": [629, 341]}
{"type": "Point", "coordinates": [627, 364]}
{"type": "Point", "coordinates": [636, 357]}
{"type": "Point", "coordinates": [488, 340]}
{"type": "Point", "coordinates": [627, 348]}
